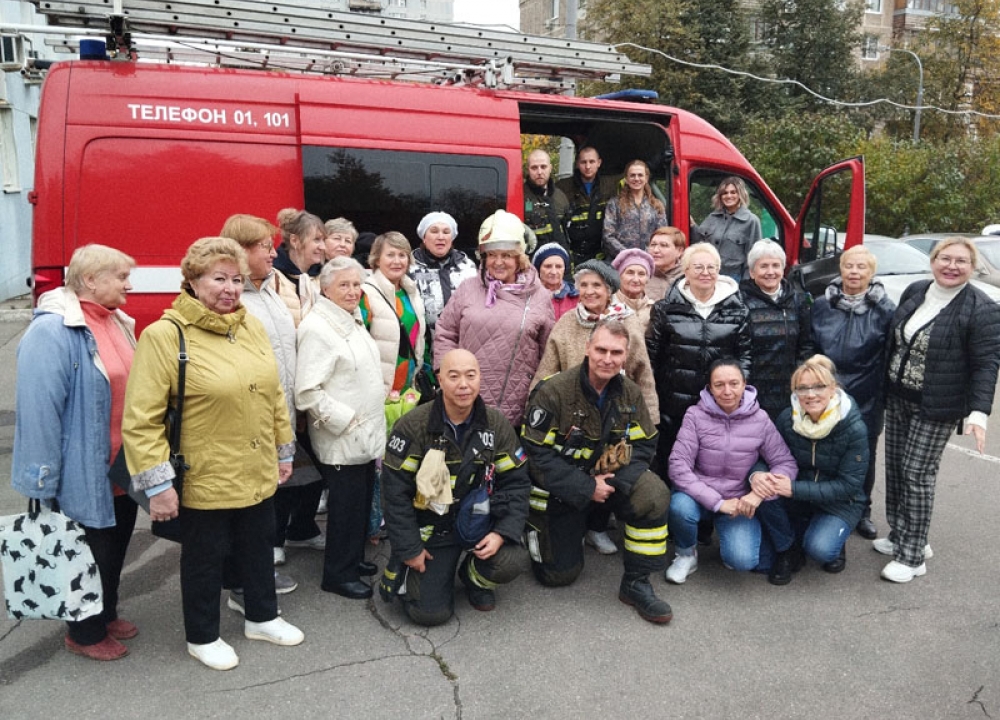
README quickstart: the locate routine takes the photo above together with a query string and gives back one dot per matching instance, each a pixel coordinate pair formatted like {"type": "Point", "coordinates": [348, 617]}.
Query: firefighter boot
{"type": "Point", "coordinates": [482, 599]}
{"type": "Point", "coordinates": [636, 591]}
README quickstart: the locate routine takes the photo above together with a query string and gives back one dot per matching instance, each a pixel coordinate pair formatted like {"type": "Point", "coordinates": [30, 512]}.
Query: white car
{"type": "Point", "coordinates": [899, 265]}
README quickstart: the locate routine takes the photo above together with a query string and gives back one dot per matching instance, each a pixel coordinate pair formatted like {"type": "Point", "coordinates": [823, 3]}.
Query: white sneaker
{"type": "Point", "coordinates": [601, 542]}
{"type": "Point", "coordinates": [681, 567]}
{"type": "Point", "coordinates": [323, 506]}
{"type": "Point", "coordinates": [218, 655]}
{"type": "Point", "coordinates": [275, 631]}
{"type": "Point", "coordinates": [314, 543]}
{"type": "Point", "coordinates": [897, 572]}
{"type": "Point", "coordinates": [885, 546]}
{"type": "Point", "coordinates": [279, 556]}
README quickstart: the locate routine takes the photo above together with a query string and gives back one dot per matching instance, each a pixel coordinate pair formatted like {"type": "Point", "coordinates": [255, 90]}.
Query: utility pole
{"type": "Point", "coordinates": [920, 89]}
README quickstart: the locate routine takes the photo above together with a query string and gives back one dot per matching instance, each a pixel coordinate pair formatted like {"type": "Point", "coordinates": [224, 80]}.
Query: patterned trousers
{"type": "Point", "coordinates": [913, 448]}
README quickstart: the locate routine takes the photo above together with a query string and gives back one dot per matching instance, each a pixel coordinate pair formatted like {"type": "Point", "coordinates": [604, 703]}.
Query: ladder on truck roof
{"type": "Point", "coordinates": [284, 36]}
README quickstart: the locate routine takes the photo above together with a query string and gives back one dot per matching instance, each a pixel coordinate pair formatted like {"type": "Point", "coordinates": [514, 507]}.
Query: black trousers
{"type": "Point", "coordinates": [350, 499]}
{"type": "Point", "coordinates": [295, 512]}
{"type": "Point", "coordinates": [109, 546]}
{"type": "Point", "coordinates": [207, 538]}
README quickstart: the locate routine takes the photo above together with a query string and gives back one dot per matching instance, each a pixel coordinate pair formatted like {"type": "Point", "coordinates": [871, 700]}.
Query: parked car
{"type": "Point", "coordinates": [988, 270]}
{"type": "Point", "coordinates": [900, 264]}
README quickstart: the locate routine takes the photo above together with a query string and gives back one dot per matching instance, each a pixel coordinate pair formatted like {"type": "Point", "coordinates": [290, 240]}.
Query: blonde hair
{"type": "Point", "coordinates": [741, 191]}
{"type": "Point", "coordinates": [94, 259]}
{"type": "Point", "coordinates": [206, 252]}
{"type": "Point", "coordinates": [341, 225]}
{"type": "Point", "coordinates": [956, 240]}
{"type": "Point", "coordinates": [247, 229]}
{"type": "Point", "coordinates": [862, 252]}
{"type": "Point", "coordinates": [822, 369]}
{"type": "Point", "coordinates": [392, 239]}
{"type": "Point", "coordinates": [700, 247]}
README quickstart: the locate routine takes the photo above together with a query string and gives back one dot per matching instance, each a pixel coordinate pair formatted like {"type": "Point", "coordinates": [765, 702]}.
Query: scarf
{"type": "Point", "coordinates": [614, 311]}
{"type": "Point", "coordinates": [493, 286]}
{"type": "Point", "coordinates": [803, 424]}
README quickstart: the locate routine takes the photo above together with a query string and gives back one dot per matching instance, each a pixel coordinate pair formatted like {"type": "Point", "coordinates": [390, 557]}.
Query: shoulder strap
{"type": "Point", "coordinates": [404, 338]}
{"type": "Point", "coordinates": [182, 360]}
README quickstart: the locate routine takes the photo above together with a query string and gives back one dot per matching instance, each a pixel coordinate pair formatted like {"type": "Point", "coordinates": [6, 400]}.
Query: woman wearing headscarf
{"type": "Point", "coordinates": [503, 316]}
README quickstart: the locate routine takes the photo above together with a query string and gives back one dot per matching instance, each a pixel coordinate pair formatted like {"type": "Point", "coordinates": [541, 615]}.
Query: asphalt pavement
{"type": "Point", "coordinates": [825, 646]}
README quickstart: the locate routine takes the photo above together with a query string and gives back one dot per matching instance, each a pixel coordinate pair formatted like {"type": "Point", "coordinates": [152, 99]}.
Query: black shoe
{"type": "Point", "coordinates": [480, 598]}
{"type": "Point", "coordinates": [866, 529]}
{"type": "Point", "coordinates": [837, 565]}
{"type": "Point", "coordinates": [355, 589]}
{"type": "Point", "coordinates": [781, 570]}
{"type": "Point", "coordinates": [637, 592]}
{"type": "Point", "coordinates": [367, 568]}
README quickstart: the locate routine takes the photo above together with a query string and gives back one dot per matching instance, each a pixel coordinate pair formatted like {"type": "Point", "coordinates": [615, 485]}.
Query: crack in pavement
{"type": "Point", "coordinates": [16, 625]}
{"type": "Point", "coordinates": [886, 611]}
{"type": "Point", "coordinates": [976, 701]}
{"type": "Point", "coordinates": [318, 671]}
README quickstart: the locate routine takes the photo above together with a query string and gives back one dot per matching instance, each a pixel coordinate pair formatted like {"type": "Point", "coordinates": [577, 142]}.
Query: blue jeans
{"type": "Point", "coordinates": [739, 537]}
{"type": "Point", "coordinates": [823, 535]}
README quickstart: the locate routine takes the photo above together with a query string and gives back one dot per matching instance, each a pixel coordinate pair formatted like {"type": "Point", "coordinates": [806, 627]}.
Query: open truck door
{"type": "Point", "coordinates": [832, 219]}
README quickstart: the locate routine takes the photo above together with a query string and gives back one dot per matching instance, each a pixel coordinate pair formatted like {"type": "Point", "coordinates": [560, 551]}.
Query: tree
{"type": "Point", "coordinates": [814, 42]}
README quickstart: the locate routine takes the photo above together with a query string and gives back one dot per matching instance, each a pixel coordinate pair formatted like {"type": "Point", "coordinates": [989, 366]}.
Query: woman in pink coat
{"type": "Point", "coordinates": [503, 316]}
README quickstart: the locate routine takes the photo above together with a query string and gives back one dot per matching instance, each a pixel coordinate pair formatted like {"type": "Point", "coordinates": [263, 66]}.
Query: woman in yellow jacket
{"type": "Point", "coordinates": [235, 436]}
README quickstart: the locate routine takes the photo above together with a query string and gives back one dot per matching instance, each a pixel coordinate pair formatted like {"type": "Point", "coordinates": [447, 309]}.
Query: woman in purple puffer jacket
{"type": "Point", "coordinates": [721, 439]}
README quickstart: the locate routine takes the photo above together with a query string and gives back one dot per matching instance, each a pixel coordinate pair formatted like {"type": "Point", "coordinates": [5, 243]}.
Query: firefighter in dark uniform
{"type": "Point", "coordinates": [467, 443]}
{"type": "Point", "coordinates": [545, 206]}
{"type": "Point", "coordinates": [588, 192]}
{"type": "Point", "coordinates": [590, 439]}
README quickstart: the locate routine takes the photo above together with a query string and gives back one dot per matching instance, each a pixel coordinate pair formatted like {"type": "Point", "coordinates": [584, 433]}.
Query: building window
{"type": "Point", "coordinates": [873, 6]}
{"type": "Point", "coordinates": [555, 9]}
{"type": "Point", "coordinates": [8, 151]}
{"type": "Point", "coordinates": [400, 3]}
{"type": "Point", "coordinates": [870, 47]}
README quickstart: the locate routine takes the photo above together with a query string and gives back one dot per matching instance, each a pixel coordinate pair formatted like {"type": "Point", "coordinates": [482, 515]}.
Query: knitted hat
{"type": "Point", "coordinates": [634, 256]}
{"type": "Point", "coordinates": [501, 231]}
{"type": "Point", "coordinates": [548, 250]}
{"type": "Point", "coordinates": [607, 273]}
{"type": "Point", "coordinates": [434, 218]}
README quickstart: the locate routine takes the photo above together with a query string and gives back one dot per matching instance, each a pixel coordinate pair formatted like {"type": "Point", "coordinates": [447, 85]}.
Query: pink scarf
{"type": "Point", "coordinates": [493, 286]}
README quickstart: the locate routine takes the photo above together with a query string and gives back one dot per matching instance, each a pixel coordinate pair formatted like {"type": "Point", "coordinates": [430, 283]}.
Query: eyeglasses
{"type": "Point", "coordinates": [701, 269]}
{"type": "Point", "coordinates": [956, 261]}
{"type": "Point", "coordinates": [807, 390]}
{"type": "Point", "coordinates": [264, 245]}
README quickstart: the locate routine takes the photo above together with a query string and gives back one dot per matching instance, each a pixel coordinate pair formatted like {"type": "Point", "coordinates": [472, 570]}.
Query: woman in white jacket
{"type": "Point", "coordinates": [338, 382]}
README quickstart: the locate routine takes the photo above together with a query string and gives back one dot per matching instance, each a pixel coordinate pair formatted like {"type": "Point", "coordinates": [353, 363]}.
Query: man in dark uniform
{"type": "Point", "coordinates": [588, 192]}
{"type": "Point", "coordinates": [589, 439]}
{"type": "Point", "coordinates": [545, 206]}
{"type": "Point", "coordinates": [463, 444]}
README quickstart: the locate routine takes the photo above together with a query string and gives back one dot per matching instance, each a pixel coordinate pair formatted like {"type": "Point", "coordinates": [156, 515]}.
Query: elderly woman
{"type": "Point", "coordinates": [702, 319]}
{"type": "Point", "coordinates": [72, 367]}
{"type": "Point", "coordinates": [944, 350]}
{"type": "Point", "coordinates": [551, 261]}
{"type": "Point", "coordinates": [731, 227]}
{"type": "Point", "coordinates": [825, 431]}
{"type": "Point", "coordinates": [438, 268]}
{"type": "Point", "coordinates": [665, 247]}
{"type": "Point", "coordinates": [295, 501]}
{"type": "Point", "coordinates": [850, 325]}
{"type": "Point", "coordinates": [503, 317]}
{"type": "Point", "coordinates": [299, 258]}
{"type": "Point", "coordinates": [780, 326]}
{"type": "Point", "coordinates": [339, 384]}
{"type": "Point", "coordinates": [393, 311]}
{"type": "Point", "coordinates": [235, 437]}
{"type": "Point", "coordinates": [635, 267]}
{"type": "Point", "coordinates": [339, 238]}
{"type": "Point", "coordinates": [632, 216]}
{"type": "Point", "coordinates": [722, 438]}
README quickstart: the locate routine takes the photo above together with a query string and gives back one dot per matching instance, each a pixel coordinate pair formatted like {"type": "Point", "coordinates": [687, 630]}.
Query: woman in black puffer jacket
{"type": "Point", "coordinates": [944, 352]}
{"type": "Point", "coordinates": [701, 319]}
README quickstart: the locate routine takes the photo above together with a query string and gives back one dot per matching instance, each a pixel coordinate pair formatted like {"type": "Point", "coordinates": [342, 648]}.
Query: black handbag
{"type": "Point", "coordinates": [171, 529]}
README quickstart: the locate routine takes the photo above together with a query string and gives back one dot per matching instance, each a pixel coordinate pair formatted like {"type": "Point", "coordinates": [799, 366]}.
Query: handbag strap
{"type": "Point", "coordinates": [182, 361]}
{"type": "Point", "coordinates": [404, 338]}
